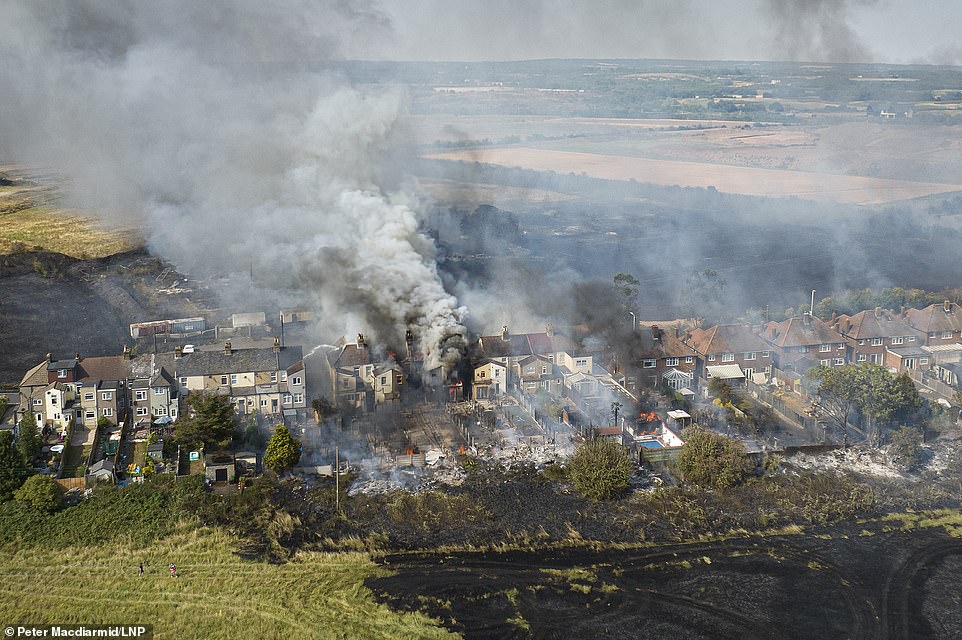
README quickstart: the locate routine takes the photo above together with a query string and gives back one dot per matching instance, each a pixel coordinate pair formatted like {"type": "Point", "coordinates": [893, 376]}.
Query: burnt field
{"type": "Point", "coordinates": [871, 581]}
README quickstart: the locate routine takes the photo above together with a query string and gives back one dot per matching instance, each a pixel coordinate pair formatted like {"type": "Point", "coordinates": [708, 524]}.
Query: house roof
{"type": "Point", "coordinates": [105, 368]}
{"type": "Point", "coordinates": [56, 365]}
{"type": "Point", "coordinates": [202, 363]}
{"type": "Point", "coordinates": [525, 344]}
{"type": "Point", "coordinates": [798, 332]}
{"type": "Point", "coordinates": [726, 338]}
{"type": "Point", "coordinates": [725, 371]}
{"type": "Point", "coordinates": [904, 352]}
{"type": "Point", "coordinates": [103, 466]}
{"type": "Point", "coordinates": [351, 355]}
{"type": "Point", "coordinates": [935, 318]}
{"type": "Point", "coordinates": [654, 342]}
{"type": "Point", "coordinates": [36, 376]}
{"type": "Point", "coordinates": [877, 323]}
{"type": "Point", "coordinates": [490, 362]}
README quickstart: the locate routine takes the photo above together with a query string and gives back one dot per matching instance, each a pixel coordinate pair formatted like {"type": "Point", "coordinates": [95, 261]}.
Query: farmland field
{"type": "Point", "coordinates": [218, 594]}
{"type": "Point", "coordinates": [726, 178]}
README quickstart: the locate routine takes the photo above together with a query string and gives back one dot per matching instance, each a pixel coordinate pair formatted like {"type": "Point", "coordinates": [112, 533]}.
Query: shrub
{"type": "Point", "coordinates": [40, 492]}
{"type": "Point", "coordinates": [283, 450]}
{"type": "Point", "coordinates": [600, 469]}
{"type": "Point", "coordinates": [711, 459]}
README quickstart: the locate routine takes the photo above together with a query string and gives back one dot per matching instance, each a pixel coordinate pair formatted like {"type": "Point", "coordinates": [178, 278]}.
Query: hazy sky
{"type": "Point", "coordinates": [900, 31]}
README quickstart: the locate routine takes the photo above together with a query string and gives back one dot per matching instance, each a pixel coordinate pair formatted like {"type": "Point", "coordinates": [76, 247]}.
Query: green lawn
{"type": "Point", "coordinates": [75, 460]}
{"type": "Point", "coordinates": [218, 594]}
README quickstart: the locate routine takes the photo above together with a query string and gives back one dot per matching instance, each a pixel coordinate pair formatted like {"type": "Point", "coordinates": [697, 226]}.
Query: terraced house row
{"type": "Point", "coordinates": [268, 382]}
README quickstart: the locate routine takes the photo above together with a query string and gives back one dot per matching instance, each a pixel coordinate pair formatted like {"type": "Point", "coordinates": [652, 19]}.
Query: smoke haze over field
{"type": "Point", "coordinates": [158, 114]}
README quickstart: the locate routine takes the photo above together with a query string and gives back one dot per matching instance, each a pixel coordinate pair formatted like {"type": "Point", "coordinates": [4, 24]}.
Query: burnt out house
{"type": "Point", "coordinates": [939, 323]}
{"type": "Point", "coordinates": [660, 357]}
{"type": "Point", "coordinates": [359, 381]}
{"type": "Point", "coordinates": [732, 346]}
{"type": "Point", "coordinates": [870, 333]}
{"type": "Point", "coordinates": [798, 341]}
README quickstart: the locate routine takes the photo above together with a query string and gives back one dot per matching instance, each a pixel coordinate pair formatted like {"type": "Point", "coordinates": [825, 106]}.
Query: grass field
{"type": "Point", "coordinates": [725, 178]}
{"type": "Point", "coordinates": [218, 594]}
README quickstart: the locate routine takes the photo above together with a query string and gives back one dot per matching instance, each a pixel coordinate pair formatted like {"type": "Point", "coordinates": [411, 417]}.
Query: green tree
{"type": "Point", "coordinates": [703, 295]}
{"type": "Point", "coordinates": [29, 440]}
{"type": "Point", "coordinates": [838, 391]}
{"type": "Point", "coordinates": [210, 422]}
{"type": "Point", "coordinates": [905, 448]}
{"type": "Point", "coordinates": [600, 469]}
{"type": "Point", "coordinates": [12, 467]}
{"type": "Point", "coordinates": [721, 390]}
{"type": "Point", "coordinates": [627, 287]}
{"type": "Point", "coordinates": [711, 459]}
{"type": "Point", "coordinates": [283, 450]}
{"type": "Point", "coordinates": [40, 492]}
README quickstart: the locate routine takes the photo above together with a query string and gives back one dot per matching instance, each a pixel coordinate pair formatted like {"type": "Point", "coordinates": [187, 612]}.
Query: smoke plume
{"type": "Point", "coordinates": [816, 31]}
{"type": "Point", "coordinates": [221, 133]}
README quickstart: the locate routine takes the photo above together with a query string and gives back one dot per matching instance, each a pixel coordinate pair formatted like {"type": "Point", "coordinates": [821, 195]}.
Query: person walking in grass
{"type": "Point", "coordinates": [141, 568]}
{"type": "Point", "coordinates": [173, 570]}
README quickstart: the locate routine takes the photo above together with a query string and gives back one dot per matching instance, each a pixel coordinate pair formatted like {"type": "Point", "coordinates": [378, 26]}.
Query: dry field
{"type": "Point", "coordinates": [726, 178]}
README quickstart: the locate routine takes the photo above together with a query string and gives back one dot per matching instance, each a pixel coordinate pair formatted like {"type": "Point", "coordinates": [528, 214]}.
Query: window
{"type": "Point", "coordinates": [223, 380]}
{"type": "Point", "coordinates": [923, 361]}
{"type": "Point", "coordinates": [728, 357]}
{"type": "Point", "coordinates": [53, 400]}
{"type": "Point", "coordinates": [839, 361]}
{"type": "Point", "coordinates": [233, 378]}
{"type": "Point", "coordinates": [141, 411]}
{"type": "Point", "coordinates": [383, 380]}
{"type": "Point", "coordinates": [482, 375]}
{"type": "Point", "coordinates": [933, 334]}
{"type": "Point", "coordinates": [283, 376]}
{"type": "Point", "coordinates": [671, 362]}
{"type": "Point", "coordinates": [582, 362]}
{"type": "Point", "coordinates": [158, 391]}
{"type": "Point", "coordinates": [803, 349]}
{"type": "Point", "coordinates": [61, 373]}
{"type": "Point", "coordinates": [296, 380]}
{"type": "Point", "coordinates": [711, 357]}
{"type": "Point", "coordinates": [689, 359]}
{"type": "Point", "coordinates": [90, 415]}
{"type": "Point", "coordinates": [824, 347]}
{"type": "Point", "coordinates": [286, 398]}
{"type": "Point", "coordinates": [896, 339]}
{"type": "Point", "coordinates": [108, 412]}
{"type": "Point", "coordinates": [298, 397]}
{"type": "Point", "coordinates": [263, 402]}
{"type": "Point", "coordinates": [273, 376]}
{"type": "Point", "coordinates": [861, 342]}
{"type": "Point", "coordinates": [861, 357]}
{"type": "Point", "coordinates": [37, 402]}
{"type": "Point", "coordinates": [108, 395]}
{"type": "Point", "coordinates": [750, 355]}
{"type": "Point", "coordinates": [766, 354]}
{"type": "Point", "coordinates": [183, 381]}
{"type": "Point", "coordinates": [161, 411]}
{"type": "Point", "coordinates": [876, 342]}
{"type": "Point", "coordinates": [825, 363]}
{"type": "Point", "coordinates": [910, 339]}
{"type": "Point", "coordinates": [140, 395]}
{"type": "Point", "coordinates": [88, 396]}
{"type": "Point", "coordinates": [946, 335]}
{"type": "Point", "coordinates": [648, 364]}
{"type": "Point", "coordinates": [544, 370]}
{"type": "Point", "coordinates": [497, 373]}
{"type": "Point", "coordinates": [840, 346]}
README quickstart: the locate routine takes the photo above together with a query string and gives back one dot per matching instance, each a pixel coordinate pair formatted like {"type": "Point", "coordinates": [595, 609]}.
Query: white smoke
{"type": "Point", "coordinates": [219, 132]}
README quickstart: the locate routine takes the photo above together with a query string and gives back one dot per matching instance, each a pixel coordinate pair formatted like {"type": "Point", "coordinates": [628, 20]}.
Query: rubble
{"type": "Point", "coordinates": [858, 459]}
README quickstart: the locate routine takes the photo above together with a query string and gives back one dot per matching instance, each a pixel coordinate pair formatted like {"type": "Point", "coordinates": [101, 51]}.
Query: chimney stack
{"type": "Point", "coordinates": [807, 318]}
{"type": "Point", "coordinates": [549, 329]}
{"type": "Point", "coordinates": [227, 349]}
{"type": "Point", "coordinates": [178, 351]}
{"type": "Point", "coordinates": [947, 306]}
{"type": "Point", "coordinates": [50, 357]}
{"type": "Point", "coordinates": [360, 340]}
{"type": "Point", "coordinates": [77, 357]}
{"type": "Point", "coordinates": [878, 312]}
{"type": "Point", "coordinates": [504, 332]}
{"type": "Point", "coordinates": [277, 345]}
{"type": "Point", "coordinates": [126, 353]}
{"type": "Point", "coordinates": [656, 332]}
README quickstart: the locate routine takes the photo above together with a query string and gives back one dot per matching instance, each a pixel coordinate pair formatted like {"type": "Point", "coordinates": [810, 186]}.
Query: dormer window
{"type": "Point", "coordinates": [61, 373]}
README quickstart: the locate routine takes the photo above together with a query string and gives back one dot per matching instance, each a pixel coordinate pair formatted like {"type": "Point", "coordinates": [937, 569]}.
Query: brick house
{"type": "Point", "coordinates": [730, 344]}
{"type": "Point", "coordinates": [870, 332]}
{"type": "Point", "coordinates": [806, 338]}
{"type": "Point", "coordinates": [941, 324]}
{"type": "Point", "coordinates": [660, 356]}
